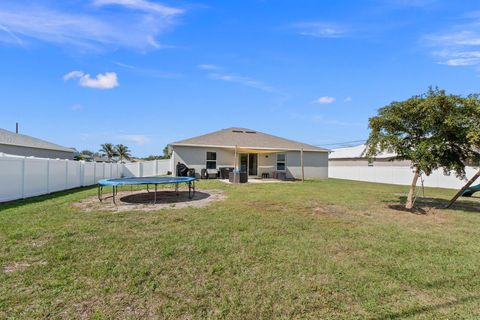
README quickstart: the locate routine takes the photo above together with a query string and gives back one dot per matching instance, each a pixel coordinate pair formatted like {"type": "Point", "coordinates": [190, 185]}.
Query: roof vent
{"type": "Point", "coordinates": [250, 132]}
{"type": "Point", "coordinates": [238, 131]}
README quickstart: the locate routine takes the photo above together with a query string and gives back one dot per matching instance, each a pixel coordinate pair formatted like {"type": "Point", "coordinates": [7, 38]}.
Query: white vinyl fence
{"type": "Point", "coordinates": [398, 175]}
{"type": "Point", "coordinates": [23, 177]}
{"type": "Point", "coordinates": [147, 168]}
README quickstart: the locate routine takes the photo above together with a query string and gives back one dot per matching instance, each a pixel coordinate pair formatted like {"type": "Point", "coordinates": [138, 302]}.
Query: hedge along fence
{"type": "Point", "coordinates": [24, 177]}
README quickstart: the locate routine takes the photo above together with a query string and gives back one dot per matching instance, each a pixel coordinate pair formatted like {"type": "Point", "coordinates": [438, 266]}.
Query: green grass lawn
{"type": "Point", "coordinates": [314, 250]}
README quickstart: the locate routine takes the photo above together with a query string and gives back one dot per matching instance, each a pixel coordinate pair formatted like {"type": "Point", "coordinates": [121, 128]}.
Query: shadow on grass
{"type": "Point", "coordinates": [422, 309]}
{"type": "Point", "coordinates": [423, 204]}
{"type": "Point", "coordinates": [163, 197]}
{"type": "Point", "coordinates": [32, 200]}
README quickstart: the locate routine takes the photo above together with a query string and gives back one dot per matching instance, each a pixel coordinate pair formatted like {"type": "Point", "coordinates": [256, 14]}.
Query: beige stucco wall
{"type": "Point", "coordinates": [196, 157]}
{"type": "Point", "coordinates": [315, 163]}
{"type": "Point", "coordinates": [35, 152]}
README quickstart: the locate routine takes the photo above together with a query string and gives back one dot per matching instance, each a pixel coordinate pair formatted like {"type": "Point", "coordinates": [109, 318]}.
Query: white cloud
{"type": "Point", "coordinates": [139, 139]}
{"type": "Point", "coordinates": [320, 29]}
{"type": "Point", "coordinates": [347, 99]}
{"type": "Point", "coordinates": [325, 100]}
{"type": "Point", "coordinates": [88, 28]}
{"type": "Point", "coordinates": [460, 45]}
{"type": "Point", "coordinates": [207, 67]}
{"type": "Point", "coordinates": [147, 71]}
{"type": "Point", "coordinates": [249, 82]}
{"type": "Point", "coordinates": [107, 80]}
{"type": "Point", "coordinates": [141, 5]}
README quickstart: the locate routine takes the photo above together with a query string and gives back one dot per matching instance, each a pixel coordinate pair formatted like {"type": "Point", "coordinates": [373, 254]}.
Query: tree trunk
{"type": "Point", "coordinates": [465, 187]}
{"type": "Point", "coordinates": [411, 192]}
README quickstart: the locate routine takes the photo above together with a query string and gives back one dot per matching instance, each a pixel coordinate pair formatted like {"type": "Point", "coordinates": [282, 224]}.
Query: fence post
{"type": "Point", "coordinates": [23, 176]}
{"type": "Point", "coordinates": [48, 175]}
{"type": "Point", "coordinates": [82, 173]}
{"type": "Point", "coordinates": [66, 174]}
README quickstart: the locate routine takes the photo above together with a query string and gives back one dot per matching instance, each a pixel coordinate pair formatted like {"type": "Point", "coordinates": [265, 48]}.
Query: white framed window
{"type": "Point", "coordinates": [281, 162]}
{"type": "Point", "coordinates": [211, 160]}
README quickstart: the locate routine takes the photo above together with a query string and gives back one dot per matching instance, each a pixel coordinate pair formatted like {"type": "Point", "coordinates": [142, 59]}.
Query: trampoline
{"type": "Point", "coordinates": [115, 183]}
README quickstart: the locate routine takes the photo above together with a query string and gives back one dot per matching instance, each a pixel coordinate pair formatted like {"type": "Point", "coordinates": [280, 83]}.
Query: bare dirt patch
{"type": "Point", "coordinates": [20, 265]}
{"type": "Point", "coordinates": [141, 200]}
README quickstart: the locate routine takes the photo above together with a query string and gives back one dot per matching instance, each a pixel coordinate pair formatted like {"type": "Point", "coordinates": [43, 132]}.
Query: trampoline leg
{"type": "Point", "coordinates": [155, 195]}
{"type": "Point", "coordinates": [176, 189]}
{"type": "Point", "coordinates": [191, 189]}
{"type": "Point", "coordinates": [147, 189]}
{"type": "Point", "coordinates": [114, 192]}
{"type": "Point", "coordinates": [100, 189]}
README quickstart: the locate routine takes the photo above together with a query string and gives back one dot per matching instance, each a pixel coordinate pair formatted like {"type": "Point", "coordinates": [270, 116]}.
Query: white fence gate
{"type": "Point", "coordinates": [398, 175]}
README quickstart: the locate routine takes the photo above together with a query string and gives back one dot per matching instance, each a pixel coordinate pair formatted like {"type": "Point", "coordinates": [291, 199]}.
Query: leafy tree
{"type": "Point", "coordinates": [166, 153]}
{"type": "Point", "coordinates": [86, 153]}
{"type": "Point", "coordinates": [123, 152]}
{"type": "Point", "coordinates": [108, 150]}
{"type": "Point", "coordinates": [432, 130]}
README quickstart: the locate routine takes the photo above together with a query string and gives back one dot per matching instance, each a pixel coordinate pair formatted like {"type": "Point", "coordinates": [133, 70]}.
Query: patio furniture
{"type": "Point", "coordinates": [212, 173]}
{"type": "Point", "coordinates": [191, 173]}
{"type": "Point", "coordinates": [225, 172]}
{"type": "Point", "coordinates": [265, 175]}
{"type": "Point", "coordinates": [280, 175]}
{"type": "Point", "coordinates": [238, 177]}
{"type": "Point", "coordinates": [182, 170]}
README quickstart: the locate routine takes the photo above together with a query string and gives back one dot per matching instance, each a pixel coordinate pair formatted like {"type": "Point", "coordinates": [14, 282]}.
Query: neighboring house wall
{"type": "Point", "coordinates": [35, 152]}
{"type": "Point", "coordinates": [315, 163]}
{"type": "Point", "coordinates": [364, 162]}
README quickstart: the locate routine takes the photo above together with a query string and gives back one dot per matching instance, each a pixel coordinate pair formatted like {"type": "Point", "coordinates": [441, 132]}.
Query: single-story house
{"type": "Point", "coordinates": [355, 156]}
{"type": "Point", "coordinates": [23, 145]}
{"type": "Point", "coordinates": [252, 152]}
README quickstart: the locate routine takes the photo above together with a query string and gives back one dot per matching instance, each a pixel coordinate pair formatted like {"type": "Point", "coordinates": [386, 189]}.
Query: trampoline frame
{"type": "Point", "coordinates": [189, 181]}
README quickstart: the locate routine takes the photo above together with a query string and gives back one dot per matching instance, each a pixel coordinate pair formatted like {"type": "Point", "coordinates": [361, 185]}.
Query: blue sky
{"type": "Point", "coordinates": [146, 73]}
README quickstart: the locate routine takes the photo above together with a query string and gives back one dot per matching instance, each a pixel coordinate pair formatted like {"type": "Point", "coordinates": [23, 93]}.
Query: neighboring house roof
{"type": "Point", "coordinates": [22, 140]}
{"type": "Point", "coordinates": [356, 152]}
{"type": "Point", "coordinates": [246, 139]}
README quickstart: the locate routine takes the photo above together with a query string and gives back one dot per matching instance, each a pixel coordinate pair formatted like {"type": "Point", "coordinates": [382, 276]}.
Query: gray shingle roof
{"type": "Point", "coordinates": [16, 139]}
{"type": "Point", "coordinates": [246, 138]}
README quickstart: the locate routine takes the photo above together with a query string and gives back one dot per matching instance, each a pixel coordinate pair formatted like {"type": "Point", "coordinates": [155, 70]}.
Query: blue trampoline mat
{"type": "Point", "coordinates": [145, 180]}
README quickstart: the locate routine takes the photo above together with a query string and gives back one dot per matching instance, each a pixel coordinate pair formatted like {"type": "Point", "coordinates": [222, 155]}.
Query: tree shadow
{"type": "Point", "coordinates": [423, 204]}
{"type": "Point", "coordinates": [33, 200]}
{"type": "Point", "coordinates": [422, 309]}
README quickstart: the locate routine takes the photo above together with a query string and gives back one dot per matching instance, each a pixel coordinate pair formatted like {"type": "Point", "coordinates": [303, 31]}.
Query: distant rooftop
{"type": "Point", "coordinates": [246, 138]}
{"type": "Point", "coordinates": [16, 139]}
{"type": "Point", "coordinates": [356, 152]}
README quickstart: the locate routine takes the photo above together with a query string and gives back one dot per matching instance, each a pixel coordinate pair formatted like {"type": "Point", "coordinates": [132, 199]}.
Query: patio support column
{"type": "Point", "coordinates": [235, 166]}
{"type": "Point", "coordinates": [303, 168]}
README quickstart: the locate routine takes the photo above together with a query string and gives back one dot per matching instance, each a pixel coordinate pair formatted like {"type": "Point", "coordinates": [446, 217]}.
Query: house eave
{"type": "Point", "coordinates": [246, 147]}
